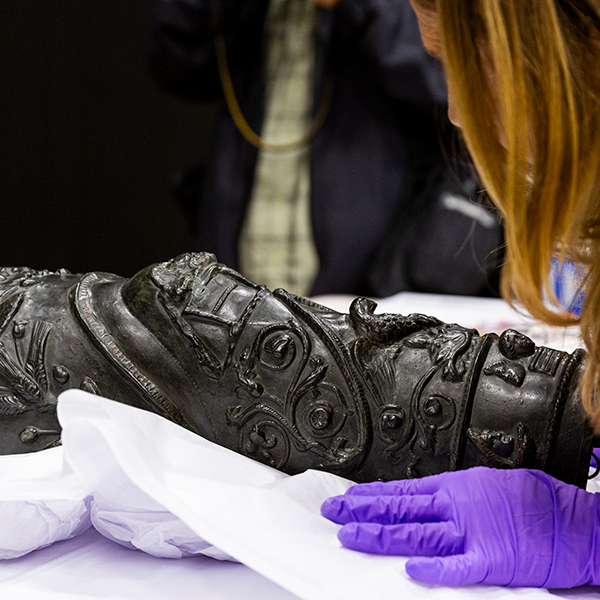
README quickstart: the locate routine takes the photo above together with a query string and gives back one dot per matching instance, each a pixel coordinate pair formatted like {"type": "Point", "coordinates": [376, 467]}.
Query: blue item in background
{"type": "Point", "coordinates": [566, 281]}
{"type": "Point", "coordinates": [595, 460]}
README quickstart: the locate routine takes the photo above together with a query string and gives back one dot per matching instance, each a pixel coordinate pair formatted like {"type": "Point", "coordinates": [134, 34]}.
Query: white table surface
{"type": "Point", "coordinates": [90, 566]}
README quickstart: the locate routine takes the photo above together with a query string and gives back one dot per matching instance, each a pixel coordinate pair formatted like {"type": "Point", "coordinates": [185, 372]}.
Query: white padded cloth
{"type": "Point", "coordinates": [152, 485]}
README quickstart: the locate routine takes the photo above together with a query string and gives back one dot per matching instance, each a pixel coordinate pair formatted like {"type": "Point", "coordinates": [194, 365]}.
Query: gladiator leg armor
{"type": "Point", "coordinates": [284, 380]}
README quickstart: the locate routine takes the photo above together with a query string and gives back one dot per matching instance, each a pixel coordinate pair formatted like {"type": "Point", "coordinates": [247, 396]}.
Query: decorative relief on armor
{"type": "Point", "coordinates": [263, 433]}
{"type": "Point", "coordinates": [417, 433]}
{"type": "Point", "coordinates": [390, 423]}
{"type": "Point", "coordinates": [26, 277]}
{"type": "Point", "coordinates": [87, 313]}
{"type": "Point", "coordinates": [205, 357]}
{"type": "Point", "coordinates": [514, 344]}
{"type": "Point", "coordinates": [9, 308]}
{"type": "Point", "coordinates": [429, 414]}
{"type": "Point", "coordinates": [23, 372]}
{"type": "Point", "coordinates": [387, 328]}
{"type": "Point", "coordinates": [310, 411]}
{"type": "Point", "coordinates": [290, 395]}
{"type": "Point", "coordinates": [11, 406]}
{"type": "Point", "coordinates": [31, 434]}
{"type": "Point", "coordinates": [511, 372]}
{"type": "Point", "coordinates": [411, 430]}
{"type": "Point", "coordinates": [448, 347]}
{"type": "Point", "coordinates": [285, 380]}
{"type": "Point", "coordinates": [90, 386]}
{"type": "Point", "coordinates": [505, 451]}
{"type": "Point", "coordinates": [545, 360]}
{"type": "Point", "coordinates": [60, 374]}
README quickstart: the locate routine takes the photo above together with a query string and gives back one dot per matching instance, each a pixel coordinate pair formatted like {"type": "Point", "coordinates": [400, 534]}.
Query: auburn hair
{"type": "Point", "coordinates": [525, 80]}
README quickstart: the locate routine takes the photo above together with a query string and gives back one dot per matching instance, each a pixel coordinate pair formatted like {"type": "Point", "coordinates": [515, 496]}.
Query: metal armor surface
{"type": "Point", "coordinates": [284, 380]}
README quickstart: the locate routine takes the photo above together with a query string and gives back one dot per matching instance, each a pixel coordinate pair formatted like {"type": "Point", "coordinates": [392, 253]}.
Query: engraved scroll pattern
{"type": "Point", "coordinates": [412, 430]}
{"type": "Point", "coordinates": [309, 415]}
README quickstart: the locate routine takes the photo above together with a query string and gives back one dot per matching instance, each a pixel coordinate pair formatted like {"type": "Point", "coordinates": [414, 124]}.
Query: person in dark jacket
{"type": "Point", "coordinates": [388, 211]}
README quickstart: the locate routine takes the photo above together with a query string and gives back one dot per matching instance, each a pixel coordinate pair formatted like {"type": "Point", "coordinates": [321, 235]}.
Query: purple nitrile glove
{"type": "Point", "coordinates": [519, 527]}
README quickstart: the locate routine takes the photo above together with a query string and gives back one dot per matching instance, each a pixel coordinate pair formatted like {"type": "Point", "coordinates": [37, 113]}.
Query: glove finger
{"type": "Point", "coordinates": [423, 539]}
{"type": "Point", "coordinates": [387, 510]}
{"type": "Point", "coordinates": [458, 569]}
{"type": "Point", "coordinates": [413, 487]}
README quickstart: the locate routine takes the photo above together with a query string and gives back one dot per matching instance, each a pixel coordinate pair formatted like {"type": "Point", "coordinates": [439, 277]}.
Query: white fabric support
{"type": "Point", "coordinates": [152, 485]}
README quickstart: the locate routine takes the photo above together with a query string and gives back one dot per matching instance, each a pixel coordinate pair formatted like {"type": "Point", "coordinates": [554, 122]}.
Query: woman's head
{"type": "Point", "coordinates": [524, 85]}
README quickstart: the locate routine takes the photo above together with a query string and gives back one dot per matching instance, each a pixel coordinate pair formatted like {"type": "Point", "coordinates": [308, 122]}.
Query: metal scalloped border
{"type": "Point", "coordinates": [83, 302]}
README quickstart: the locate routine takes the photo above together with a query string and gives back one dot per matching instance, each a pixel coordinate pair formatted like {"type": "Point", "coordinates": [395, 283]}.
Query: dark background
{"type": "Point", "coordinates": [88, 144]}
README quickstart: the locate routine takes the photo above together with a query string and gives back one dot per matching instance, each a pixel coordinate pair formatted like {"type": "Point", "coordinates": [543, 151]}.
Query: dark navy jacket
{"type": "Point", "coordinates": [377, 151]}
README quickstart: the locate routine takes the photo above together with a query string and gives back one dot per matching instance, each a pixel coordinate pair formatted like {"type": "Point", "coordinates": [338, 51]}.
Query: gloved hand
{"type": "Point", "coordinates": [519, 527]}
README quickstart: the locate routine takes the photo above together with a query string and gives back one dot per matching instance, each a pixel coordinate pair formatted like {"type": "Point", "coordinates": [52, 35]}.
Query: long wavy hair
{"type": "Point", "coordinates": [525, 80]}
